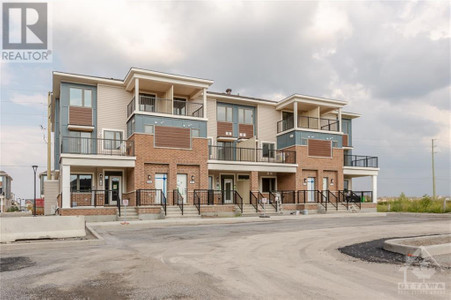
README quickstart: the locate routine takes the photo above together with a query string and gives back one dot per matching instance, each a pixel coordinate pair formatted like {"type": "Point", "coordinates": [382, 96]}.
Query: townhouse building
{"type": "Point", "coordinates": [166, 145]}
{"type": "Point", "coordinates": [6, 196]}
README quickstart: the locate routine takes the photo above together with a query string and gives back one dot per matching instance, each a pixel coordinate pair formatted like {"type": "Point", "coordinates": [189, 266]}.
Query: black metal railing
{"type": "Point", "coordinates": [177, 199]}
{"type": "Point", "coordinates": [253, 199]}
{"type": "Point", "coordinates": [217, 197]}
{"type": "Point", "coordinates": [332, 198]}
{"type": "Point", "coordinates": [97, 146]}
{"type": "Point", "coordinates": [285, 124]}
{"type": "Point", "coordinates": [151, 197]}
{"type": "Point", "coordinates": [322, 199]}
{"type": "Point", "coordinates": [318, 123]}
{"type": "Point", "coordinates": [361, 161]}
{"type": "Point", "coordinates": [131, 107]}
{"type": "Point", "coordinates": [154, 104]}
{"type": "Point", "coordinates": [88, 198]}
{"type": "Point", "coordinates": [251, 155]}
{"type": "Point", "coordinates": [308, 196]}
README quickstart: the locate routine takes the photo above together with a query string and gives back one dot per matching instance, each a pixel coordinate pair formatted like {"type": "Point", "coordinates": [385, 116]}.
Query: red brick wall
{"type": "Point", "coordinates": [131, 196]}
{"type": "Point", "coordinates": [88, 211]}
{"type": "Point", "coordinates": [150, 160]}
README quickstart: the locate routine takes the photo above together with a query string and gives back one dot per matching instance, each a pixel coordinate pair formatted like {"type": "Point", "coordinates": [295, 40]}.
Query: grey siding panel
{"type": "Point", "coordinates": [141, 120]}
{"type": "Point", "coordinates": [301, 137]}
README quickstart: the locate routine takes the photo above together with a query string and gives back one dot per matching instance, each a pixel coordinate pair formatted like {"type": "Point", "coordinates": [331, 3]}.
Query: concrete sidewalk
{"type": "Point", "coordinates": [231, 220]}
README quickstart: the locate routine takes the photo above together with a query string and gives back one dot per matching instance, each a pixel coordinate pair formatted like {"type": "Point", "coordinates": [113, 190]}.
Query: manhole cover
{"type": "Point", "coordinates": [15, 263]}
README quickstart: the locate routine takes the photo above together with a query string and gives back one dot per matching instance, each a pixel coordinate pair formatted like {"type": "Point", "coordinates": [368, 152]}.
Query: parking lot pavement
{"type": "Point", "coordinates": [285, 259]}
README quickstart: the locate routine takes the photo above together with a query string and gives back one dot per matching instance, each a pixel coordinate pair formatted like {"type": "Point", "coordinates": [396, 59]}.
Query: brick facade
{"type": "Point", "coordinates": [88, 211]}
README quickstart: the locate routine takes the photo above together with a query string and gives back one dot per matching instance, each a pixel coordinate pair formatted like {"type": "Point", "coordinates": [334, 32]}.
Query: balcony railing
{"type": "Point", "coordinates": [308, 122]}
{"type": "Point", "coordinates": [97, 146]}
{"type": "Point", "coordinates": [361, 161]}
{"type": "Point", "coordinates": [251, 155]}
{"type": "Point", "coordinates": [166, 106]}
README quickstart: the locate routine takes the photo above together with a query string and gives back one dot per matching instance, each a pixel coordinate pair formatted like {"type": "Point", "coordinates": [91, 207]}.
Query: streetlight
{"type": "Point", "coordinates": [35, 168]}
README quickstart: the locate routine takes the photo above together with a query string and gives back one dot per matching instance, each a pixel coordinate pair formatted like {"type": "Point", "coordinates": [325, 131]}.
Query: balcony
{"type": "Point", "coordinates": [225, 153]}
{"type": "Point", "coordinates": [309, 123]}
{"type": "Point", "coordinates": [361, 161]}
{"type": "Point", "coordinates": [166, 106]}
{"type": "Point", "coordinates": [97, 146]}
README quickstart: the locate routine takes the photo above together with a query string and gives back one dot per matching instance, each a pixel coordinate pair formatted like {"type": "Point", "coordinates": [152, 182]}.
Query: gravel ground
{"type": "Point", "coordinates": [290, 259]}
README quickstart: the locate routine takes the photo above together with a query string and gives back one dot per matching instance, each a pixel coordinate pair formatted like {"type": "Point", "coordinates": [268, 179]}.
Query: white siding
{"type": "Point", "coordinates": [211, 115]}
{"type": "Point", "coordinates": [267, 118]}
{"type": "Point", "coordinates": [112, 108]}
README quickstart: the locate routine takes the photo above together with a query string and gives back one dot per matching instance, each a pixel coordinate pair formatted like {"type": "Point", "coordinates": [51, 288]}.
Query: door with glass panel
{"type": "Point", "coordinates": [228, 190]}
{"type": "Point", "coordinates": [114, 189]}
{"type": "Point", "coordinates": [311, 189]}
{"type": "Point", "coordinates": [325, 188]}
{"type": "Point", "coordinates": [182, 186]}
{"type": "Point", "coordinates": [161, 184]}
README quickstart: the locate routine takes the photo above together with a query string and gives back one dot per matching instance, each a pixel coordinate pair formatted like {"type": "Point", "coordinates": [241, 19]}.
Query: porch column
{"type": "Point", "coordinates": [205, 103]}
{"type": "Point", "coordinates": [339, 120]}
{"type": "Point", "coordinates": [295, 110]}
{"type": "Point", "coordinates": [254, 181]}
{"type": "Point", "coordinates": [65, 191]}
{"type": "Point", "coordinates": [137, 94]}
{"type": "Point", "coordinates": [374, 177]}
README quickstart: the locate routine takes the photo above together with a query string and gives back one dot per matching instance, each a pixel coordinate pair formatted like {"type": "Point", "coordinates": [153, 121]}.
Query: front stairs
{"type": "Point", "coordinates": [189, 211]}
{"type": "Point", "coordinates": [249, 210]}
{"type": "Point", "coordinates": [128, 213]}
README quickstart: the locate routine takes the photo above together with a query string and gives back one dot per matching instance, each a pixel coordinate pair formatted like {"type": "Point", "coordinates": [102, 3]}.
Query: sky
{"type": "Point", "coordinates": [389, 60]}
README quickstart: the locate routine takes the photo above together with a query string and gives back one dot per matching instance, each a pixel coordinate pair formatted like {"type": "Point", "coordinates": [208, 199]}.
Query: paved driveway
{"type": "Point", "coordinates": [288, 259]}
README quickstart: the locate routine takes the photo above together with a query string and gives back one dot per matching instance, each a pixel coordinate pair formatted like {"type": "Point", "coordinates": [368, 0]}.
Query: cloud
{"type": "Point", "coordinates": [29, 100]}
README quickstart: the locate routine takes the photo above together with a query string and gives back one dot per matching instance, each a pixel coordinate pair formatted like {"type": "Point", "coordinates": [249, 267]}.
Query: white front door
{"type": "Point", "coordinates": [115, 189]}
{"type": "Point", "coordinates": [311, 189]}
{"type": "Point", "coordinates": [161, 180]}
{"type": "Point", "coordinates": [182, 186]}
{"type": "Point", "coordinates": [326, 187]}
{"type": "Point", "coordinates": [228, 190]}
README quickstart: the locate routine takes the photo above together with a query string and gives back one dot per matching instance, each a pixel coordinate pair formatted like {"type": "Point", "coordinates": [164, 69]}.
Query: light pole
{"type": "Point", "coordinates": [35, 168]}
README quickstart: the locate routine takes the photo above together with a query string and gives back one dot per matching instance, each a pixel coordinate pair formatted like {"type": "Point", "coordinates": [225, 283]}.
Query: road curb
{"type": "Point", "coordinates": [399, 246]}
{"type": "Point", "coordinates": [99, 240]}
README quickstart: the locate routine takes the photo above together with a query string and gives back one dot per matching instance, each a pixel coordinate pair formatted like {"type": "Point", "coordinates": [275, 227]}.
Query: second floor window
{"type": "Point", "coordinates": [224, 113]}
{"type": "Point", "coordinates": [268, 150]}
{"type": "Point", "coordinates": [246, 116]}
{"type": "Point", "coordinates": [80, 142]}
{"type": "Point", "coordinates": [80, 97]}
{"type": "Point", "coordinates": [112, 140]}
{"type": "Point", "coordinates": [179, 106]}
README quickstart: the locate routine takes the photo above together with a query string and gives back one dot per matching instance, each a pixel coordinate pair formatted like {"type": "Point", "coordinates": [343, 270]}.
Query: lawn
{"type": "Point", "coordinates": [423, 205]}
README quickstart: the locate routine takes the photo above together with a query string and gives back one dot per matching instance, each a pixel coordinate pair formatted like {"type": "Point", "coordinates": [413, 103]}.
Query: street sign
{"type": "Point", "coordinates": [264, 200]}
{"type": "Point", "coordinates": [125, 202]}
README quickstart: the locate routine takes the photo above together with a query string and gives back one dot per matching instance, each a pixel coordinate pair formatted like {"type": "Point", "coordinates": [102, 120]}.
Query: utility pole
{"type": "Point", "coordinates": [433, 171]}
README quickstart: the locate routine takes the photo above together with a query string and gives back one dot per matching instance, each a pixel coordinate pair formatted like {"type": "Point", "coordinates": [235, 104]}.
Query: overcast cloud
{"type": "Point", "coordinates": [390, 60]}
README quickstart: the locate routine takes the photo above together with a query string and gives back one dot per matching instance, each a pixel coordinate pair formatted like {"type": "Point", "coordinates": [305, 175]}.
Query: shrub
{"type": "Point", "coordinates": [423, 205]}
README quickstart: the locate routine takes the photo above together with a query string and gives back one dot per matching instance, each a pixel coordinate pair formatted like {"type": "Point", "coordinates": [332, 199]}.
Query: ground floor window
{"type": "Point", "coordinates": [268, 185]}
{"type": "Point", "coordinates": [80, 182]}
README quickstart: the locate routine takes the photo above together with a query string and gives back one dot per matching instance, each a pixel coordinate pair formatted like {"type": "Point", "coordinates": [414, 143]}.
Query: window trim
{"type": "Point", "coordinates": [82, 96]}
{"type": "Point", "coordinates": [93, 186]}
{"type": "Point", "coordinates": [113, 130]}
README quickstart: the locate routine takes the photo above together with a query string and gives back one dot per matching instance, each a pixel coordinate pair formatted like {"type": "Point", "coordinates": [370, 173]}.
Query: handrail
{"type": "Point", "coordinates": [131, 107]}
{"type": "Point", "coordinates": [251, 154]}
{"type": "Point", "coordinates": [286, 196]}
{"type": "Point", "coordinates": [177, 199]}
{"type": "Point", "coordinates": [97, 146]}
{"type": "Point", "coordinates": [175, 107]}
{"type": "Point", "coordinates": [317, 123]}
{"type": "Point", "coordinates": [361, 161]}
{"type": "Point", "coordinates": [196, 203]}
{"type": "Point", "coordinates": [329, 193]}
{"type": "Point", "coordinates": [253, 200]}
{"type": "Point", "coordinates": [238, 200]}
{"type": "Point", "coordinates": [151, 197]}
{"type": "Point", "coordinates": [91, 197]}
{"type": "Point", "coordinates": [321, 199]}
{"type": "Point", "coordinates": [285, 124]}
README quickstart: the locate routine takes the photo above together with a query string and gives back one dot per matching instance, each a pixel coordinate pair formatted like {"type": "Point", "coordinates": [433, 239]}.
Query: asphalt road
{"type": "Point", "coordinates": [287, 259]}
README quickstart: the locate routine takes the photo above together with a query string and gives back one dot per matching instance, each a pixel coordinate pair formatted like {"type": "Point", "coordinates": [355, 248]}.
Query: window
{"type": "Point", "coordinates": [112, 140]}
{"type": "Point", "coordinates": [225, 150]}
{"type": "Point", "coordinates": [149, 129]}
{"type": "Point", "coordinates": [210, 144]}
{"type": "Point", "coordinates": [147, 102]}
{"type": "Point", "coordinates": [242, 177]}
{"type": "Point", "coordinates": [224, 113]}
{"type": "Point", "coordinates": [80, 182]}
{"type": "Point", "coordinates": [79, 142]}
{"type": "Point", "coordinates": [195, 132]}
{"type": "Point", "coordinates": [268, 185]}
{"type": "Point", "coordinates": [80, 97]}
{"type": "Point", "coordinates": [268, 150]}
{"type": "Point", "coordinates": [179, 106]}
{"type": "Point", "coordinates": [130, 127]}
{"type": "Point", "coordinates": [245, 116]}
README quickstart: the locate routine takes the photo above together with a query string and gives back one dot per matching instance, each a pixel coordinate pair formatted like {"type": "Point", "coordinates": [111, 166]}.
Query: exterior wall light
{"type": "Point", "coordinates": [100, 179]}
{"type": "Point", "coordinates": [305, 181]}
{"type": "Point", "coordinates": [192, 179]}
{"type": "Point", "coordinates": [331, 182]}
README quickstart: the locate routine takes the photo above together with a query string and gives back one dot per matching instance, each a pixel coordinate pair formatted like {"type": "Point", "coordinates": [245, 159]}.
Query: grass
{"type": "Point", "coordinates": [423, 205]}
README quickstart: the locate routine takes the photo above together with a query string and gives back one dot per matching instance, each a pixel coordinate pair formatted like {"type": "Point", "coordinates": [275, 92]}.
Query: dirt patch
{"type": "Point", "coordinates": [106, 286]}
{"type": "Point", "coordinates": [15, 263]}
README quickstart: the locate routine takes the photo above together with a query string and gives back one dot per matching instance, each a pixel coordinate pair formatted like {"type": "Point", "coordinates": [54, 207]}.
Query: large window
{"type": "Point", "coordinates": [112, 140]}
{"type": "Point", "coordinates": [224, 113]}
{"type": "Point", "coordinates": [80, 182]}
{"type": "Point", "coordinates": [80, 97]}
{"type": "Point", "coordinates": [245, 116]}
{"type": "Point", "coordinates": [268, 185]}
{"type": "Point", "coordinates": [179, 106]}
{"type": "Point", "coordinates": [80, 142]}
{"type": "Point", "coordinates": [147, 102]}
{"type": "Point", "coordinates": [268, 150]}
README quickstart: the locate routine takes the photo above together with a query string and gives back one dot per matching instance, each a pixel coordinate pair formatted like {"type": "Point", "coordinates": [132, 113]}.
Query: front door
{"type": "Point", "coordinates": [182, 186]}
{"type": "Point", "coordinates": [326, 188]}
{"type": "Point", "coordinates": [228, 190]}
{"type": "Point", "coordinates": [311, 189]}
{"type": "Point", "coordinates": [114, 189]}
{"type": "Point", "coordinates": [161, 184]}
